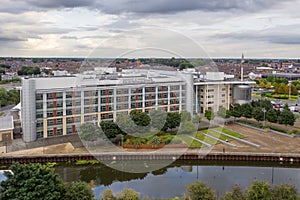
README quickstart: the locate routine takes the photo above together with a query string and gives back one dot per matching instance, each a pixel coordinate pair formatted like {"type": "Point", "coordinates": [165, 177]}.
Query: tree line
{"type": "Point", "coordinates": [138, 122]}
{"type": "Point", "coordinates": [11, 97]}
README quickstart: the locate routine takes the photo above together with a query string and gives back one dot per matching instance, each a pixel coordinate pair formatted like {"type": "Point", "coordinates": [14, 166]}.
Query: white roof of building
{"type": "Point", "coordinates": [6, 123]}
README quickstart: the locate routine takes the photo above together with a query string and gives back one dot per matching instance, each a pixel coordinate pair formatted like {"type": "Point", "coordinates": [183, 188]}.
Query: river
{"type": "Point", "coordinates": [170, 181]}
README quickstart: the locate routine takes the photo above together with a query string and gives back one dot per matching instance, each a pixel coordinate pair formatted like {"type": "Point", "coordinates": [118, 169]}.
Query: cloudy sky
{"type": "Point", "coordinates": [188, 28]}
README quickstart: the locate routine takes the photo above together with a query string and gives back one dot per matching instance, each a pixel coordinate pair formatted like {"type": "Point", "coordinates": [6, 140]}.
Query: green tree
{"type": "Point", "coordinates": [90, 132]}
{"type": "Point", "coordinates": [280, 89]}
{"type": "Point", "coordinates": [199, 191]}
{"type": "Point", "coordinates": [247, 110]}
{"type": "Point", "coordinates": [235, 194]}
{"type": "Point", "coordinates": [286, 117]}
{"type": "Point", "coordinates": [172, 121]}
{"type": "Point", "coordinates": [209, 115]}
{"type": "Point", "coordinates": [141, 119]}
{"type": "Point", "coordinates": [284, 191]}
{"type": "Point", "coordinates": [30, 182]}
{"type": "Point", "coordinates": [126, 124]}
{"type": "Point", "coordinates": [224, 113]}
{"type": "Point", "coordinates": [259, 190]}
{"type": "Point", "coordinates": [78, 191]}
{"type": "Point", "coordinates": [271, 115]}
{"type": "Point", "coordinates": [236, 111]}
{"type": "Point", "coordinates": [188, 127]}
{"type": "Point", "coordinates": [258, 114]}
{"type": "Point", "coordinates": [158, 119]}
{"type": "Point", "coordinates": [185, 115]}
{"type": "Point", "coordinates": [196, 120]}
{"type": "Point", "coordinates": [110, 129]}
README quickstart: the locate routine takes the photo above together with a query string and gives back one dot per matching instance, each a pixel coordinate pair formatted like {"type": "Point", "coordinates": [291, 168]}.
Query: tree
{"type": "Point", "coordinates": [235, 194]}
{"type": "Point", "coordinates": [199, 191]}
{"type": "Point", "coordinates": [141, 119]}
{"type": "Point", "coordinates": [78, 191]}
{"type": "Point", "coordinates": [31, 181]}
{"type": "Point", "coordinates": [126, 124]}
{"type": "Point", "coordinates": [286, 117]}
{"type": "Point", "coordinates": [209, 115]}
{"type": "Point", "coordinates": [236, 111]}
{"type": "Point", "coordinates": [196, 120]}
{"type": "Point", "coordinates": [247, 110]}
{"type": "Point", "coordinates": [90, 132]}
{"type": "Point", "coordinates": [271, 115]}
{"type": "Point", "coordinates": [172, 121]}
{"type": "Point", "coordinates": [224, 113]}
{"type": "Point", "coordinates": [158, 119]}
{"type": "Point", "coordinates": [284, 191]}
{"type": "Point", "coordinates": [185, 116]}
{"type": "Point", "coordinates": [259, 190]}
{"type": "Point", "coordinates": [258, 114]}
{"type": "Point", "coordinates": [280, 89]}
{"type": "Point", "coordinates": [188, 127]}
{"type": "Point", "coordinates": [110, 129]}
{"type": "Point", "coordinates": [269, 85]}
{"type": "Point", "coordinates": [262, 84]}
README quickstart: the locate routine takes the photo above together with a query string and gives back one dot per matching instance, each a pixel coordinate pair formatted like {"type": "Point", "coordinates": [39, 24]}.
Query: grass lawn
{"type": "Point", "coordinates": [219, 136]}
{"type": "Point", "coordinates": [229, 132]}
{"type": "Point", "coordinates": [192, 143]}
{"type": "Point", "coordinates": [203, 138]}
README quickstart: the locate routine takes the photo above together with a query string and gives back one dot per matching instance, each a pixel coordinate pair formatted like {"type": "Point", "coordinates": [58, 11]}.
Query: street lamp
{"type": "Point", "coordinates": [264, 111]}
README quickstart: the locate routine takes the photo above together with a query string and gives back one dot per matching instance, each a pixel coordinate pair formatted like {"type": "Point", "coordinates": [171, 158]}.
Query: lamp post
{"type": "Point", "coordinates": [264, 111]}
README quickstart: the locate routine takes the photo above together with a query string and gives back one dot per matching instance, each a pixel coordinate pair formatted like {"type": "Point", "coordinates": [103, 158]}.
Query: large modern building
{"type": "Point", "coordinates": [55, 106]}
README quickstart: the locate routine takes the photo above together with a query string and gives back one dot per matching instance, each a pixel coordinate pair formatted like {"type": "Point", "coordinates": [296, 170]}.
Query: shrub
{"type": "Point", "coordinates": [284, 191]}
{"type": "Point", "coordinates": [199, 191]}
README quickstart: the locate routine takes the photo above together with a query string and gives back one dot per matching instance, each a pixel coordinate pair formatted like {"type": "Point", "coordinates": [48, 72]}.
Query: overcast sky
{"type": "Point", "coordinates": [186, 28]}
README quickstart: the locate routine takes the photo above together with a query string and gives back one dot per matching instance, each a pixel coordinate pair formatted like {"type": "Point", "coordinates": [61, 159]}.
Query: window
{"type": "Point", "coordinates": [223, 101]}
{"type": "Point", "coordinates": [223, 89]}
{"type": "Point", "coordinates": [122, 91]}
{"type": "Point", "coordinates": [39, 134]}
{"type": "Point", "coordinates": [210, 96]}
{"type": "Point", "coordinates": [210, 90]}
{"type": "Point", "coordinates": [59, 121]}
{"type": "Point", "coordinates": [107, 116]}
{"type": "Point", "coordinates": [107, 92]}
{"type": "Point", "coordinates": [59, 95]}
{"type": "Point", "coordinates": [223, 95]}
{"type": "Point", "coordinates": [50, 114]}
{"type": "Point", "coordinates": [39, 115]}
{"type": "Point", "coordinates": [59, 132]}
{"type": "Point", "coordinates": [49, 95]}
{"type": "Point", "coordinates": [106, 108]}
{"type": "Point", "coordinates": [50, 133]}
{"type": "Point", "coordinates": [39, 97]}
{"type": "Point", "coordinates": [39, 105]}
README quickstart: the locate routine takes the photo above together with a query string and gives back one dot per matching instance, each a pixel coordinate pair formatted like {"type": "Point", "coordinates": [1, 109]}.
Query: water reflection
{"type": "Point", "coordinates": [171, 181]}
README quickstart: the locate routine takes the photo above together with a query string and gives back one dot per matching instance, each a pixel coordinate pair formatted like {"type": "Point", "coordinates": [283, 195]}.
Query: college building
{"type": "Point", "coordinates": [53, 106]}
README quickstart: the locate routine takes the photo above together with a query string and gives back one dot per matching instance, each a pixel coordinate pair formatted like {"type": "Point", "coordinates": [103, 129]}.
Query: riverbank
{"type": "Point", "coordinates": [117, 156]}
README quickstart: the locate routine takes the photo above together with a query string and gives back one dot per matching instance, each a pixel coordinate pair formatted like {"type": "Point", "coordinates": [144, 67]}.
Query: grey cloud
{"type": "Point", "coordinates": [173, 6]}
{"type": "Point", "coordinates": [10, 39]}
{"type": "Point", "coordinates": [66, 37]}
{"type": "Point", "coordinates": [61, 3]}
{"type": "Point", "coordinates": [264, 36]}
{"type": "Point", "coordinates": [140, 6]}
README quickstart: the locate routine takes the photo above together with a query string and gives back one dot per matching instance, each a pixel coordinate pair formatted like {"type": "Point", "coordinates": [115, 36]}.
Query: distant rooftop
{"type": "Point", "coordinates": [6, 123]}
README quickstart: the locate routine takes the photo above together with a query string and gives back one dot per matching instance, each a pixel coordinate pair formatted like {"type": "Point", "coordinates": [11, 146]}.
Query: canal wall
{"type": "Point", "coordinates": [271, 157]}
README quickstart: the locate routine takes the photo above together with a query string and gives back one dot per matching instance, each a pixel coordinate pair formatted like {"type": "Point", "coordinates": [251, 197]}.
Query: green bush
{"type": "Point", "coordinates": [199, 191]}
